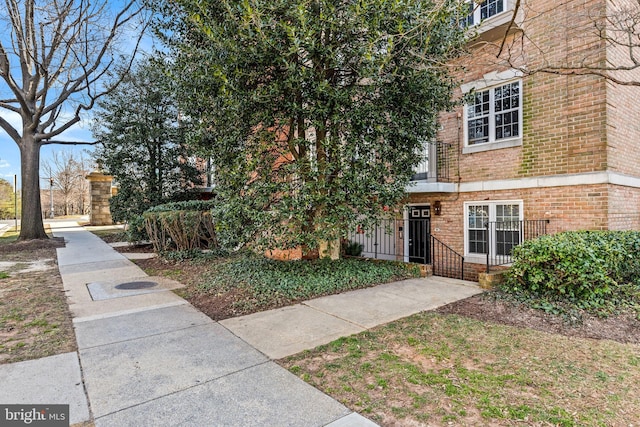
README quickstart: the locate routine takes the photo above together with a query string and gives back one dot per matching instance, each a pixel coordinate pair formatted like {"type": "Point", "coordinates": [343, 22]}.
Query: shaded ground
{"type": "Point", "coordinates": [223, 287]}
{"type": "Point", "coordinates": [216, 306]}
{"type": "Point", "coordinates": [34, 317]}
{"type": "Point", "coordinates": [623, 328]}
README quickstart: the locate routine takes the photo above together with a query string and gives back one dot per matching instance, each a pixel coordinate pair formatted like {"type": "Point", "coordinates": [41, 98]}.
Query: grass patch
{"type": "Point", "coordinates": [9, 236]}
{"type": "Point", "coordinates": [111, 235]}
{"type": "Point", "coordinates": [437, 369]}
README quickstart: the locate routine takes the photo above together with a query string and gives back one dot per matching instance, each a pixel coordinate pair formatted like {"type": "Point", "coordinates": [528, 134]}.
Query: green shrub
{"type": "Point", "coordinates": [181, 226]}
{"type": "Point", "coordinates": [189, 205]}
{"type": "Point", "coordinates": [136, 231]}
{"type": "Point", "coordinates": [270, 281]}
{"type": "Point", "coordinates": [353, 249]}
{"type": "Point", "coordinates": [590, 269]}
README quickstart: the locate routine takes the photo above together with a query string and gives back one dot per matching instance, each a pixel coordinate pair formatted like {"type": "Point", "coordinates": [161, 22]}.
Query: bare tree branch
{"type": "Point", "coordinates": [59, 142]}
{"type": "Point", "coordinates": [615, 29]}
{"type": "Point", "coordinates": [9, 129]}
{"type": "Point", "coordinates": [53, 66]}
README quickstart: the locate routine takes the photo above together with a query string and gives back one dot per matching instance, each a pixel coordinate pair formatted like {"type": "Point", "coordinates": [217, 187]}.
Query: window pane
{"type": "Point", "coordinates": [490, 8]}
{"type": "Point", "coordinates": [478, 241]}
{"type": "Point", "coordinates": [478, 131]}
{"type": "Point", "coordinates": [506, 241]}
{"type": "Point", "coordinates": [506, 104]}
{"type": "Point", "coordinates": [478, 119]}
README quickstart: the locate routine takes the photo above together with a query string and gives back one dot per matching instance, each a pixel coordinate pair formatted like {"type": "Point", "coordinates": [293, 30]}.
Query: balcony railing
{"type": "Point", "coordinates": [436, 165]}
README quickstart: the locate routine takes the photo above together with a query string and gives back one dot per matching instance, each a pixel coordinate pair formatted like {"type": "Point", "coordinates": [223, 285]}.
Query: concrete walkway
{"type": "Point", "coordinates": [147, 357]}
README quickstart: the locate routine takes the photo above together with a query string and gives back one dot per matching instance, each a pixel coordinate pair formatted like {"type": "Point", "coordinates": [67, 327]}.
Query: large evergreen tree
{"type": "Point", "coordinates": [313, 110]}
{"type": "Point", "coordinates": [141, 143]}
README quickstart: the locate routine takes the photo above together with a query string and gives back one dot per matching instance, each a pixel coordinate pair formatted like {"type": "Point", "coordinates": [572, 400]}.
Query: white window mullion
{"type": "Point", "coordinates": [492, 116]}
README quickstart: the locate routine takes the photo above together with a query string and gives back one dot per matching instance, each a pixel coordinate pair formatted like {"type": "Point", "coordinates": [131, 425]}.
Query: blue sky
{"type": "Point", "coordinates": [9, 152]}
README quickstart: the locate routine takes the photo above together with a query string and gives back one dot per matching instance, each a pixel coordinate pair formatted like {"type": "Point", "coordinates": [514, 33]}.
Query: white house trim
{"type": "Point", "coordinates": [491, 79]}
{"type": "Point", "coordinates": [589, 178]}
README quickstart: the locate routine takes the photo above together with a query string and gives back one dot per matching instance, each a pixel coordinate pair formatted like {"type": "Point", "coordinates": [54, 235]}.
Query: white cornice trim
{"type": "Point", "coordinates": [492, 79]}
{"type": "Point", "coordinates": [589, 178]}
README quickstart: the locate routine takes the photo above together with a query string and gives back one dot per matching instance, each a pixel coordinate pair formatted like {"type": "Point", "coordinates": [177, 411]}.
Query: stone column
{"type": "Point", "coordinates": [100, 189]}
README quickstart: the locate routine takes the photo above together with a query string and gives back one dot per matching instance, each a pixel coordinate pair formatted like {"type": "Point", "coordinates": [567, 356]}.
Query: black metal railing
{"type": "Point", "coordinates": [502, 236]}
{"type": "Point", "coordinates": [446, 262]}
{"type": "Point", "coordinates": [437, 162]}
{"type": "Point", "coordinates": [445, 158]}
{"type": "Point", "coordinates": [409, 240]}
{"type": "Point", "coordinates": [379, 242]}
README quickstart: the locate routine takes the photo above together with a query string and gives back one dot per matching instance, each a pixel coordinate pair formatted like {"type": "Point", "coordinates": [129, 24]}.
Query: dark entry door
{"type": "Point", "coordinates": [419, 234]}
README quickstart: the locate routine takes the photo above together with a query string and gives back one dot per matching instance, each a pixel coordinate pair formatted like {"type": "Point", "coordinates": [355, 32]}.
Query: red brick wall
{"type": "Point", "coordinates": [623, 108]}
{"type": "Point", "coordinates": [564, 118]}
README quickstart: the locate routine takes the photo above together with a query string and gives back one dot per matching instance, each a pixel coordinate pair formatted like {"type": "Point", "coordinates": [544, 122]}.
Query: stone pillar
{"type": "Point", "coordinates": [100, 189]}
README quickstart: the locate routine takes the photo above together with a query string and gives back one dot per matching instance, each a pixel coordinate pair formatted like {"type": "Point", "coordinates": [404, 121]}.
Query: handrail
{"type": "Point", "coordinates": [445, 261]}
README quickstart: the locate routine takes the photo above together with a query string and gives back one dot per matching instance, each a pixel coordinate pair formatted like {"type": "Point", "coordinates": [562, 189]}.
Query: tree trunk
{"type": "Point", "coordinates": [31, 224]}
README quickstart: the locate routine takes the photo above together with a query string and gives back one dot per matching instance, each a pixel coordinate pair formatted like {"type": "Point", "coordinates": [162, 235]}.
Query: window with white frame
{"type": "Point", "coordinates": [495, 114]}
{"type": "Point", "coordinates": [486, 10]}
{"type": "Point", "coordinates": [493, 227]}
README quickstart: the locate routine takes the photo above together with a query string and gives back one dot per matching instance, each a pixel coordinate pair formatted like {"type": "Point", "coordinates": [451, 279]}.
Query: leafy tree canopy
{"type": "Point", "coordinates": [142, 144]}
{"type": "Point", "coordinates": [312, 110]}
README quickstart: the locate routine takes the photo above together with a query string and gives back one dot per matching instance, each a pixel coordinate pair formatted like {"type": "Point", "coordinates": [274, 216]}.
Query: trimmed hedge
{"type": "Point", "coordinates": [594, 268]}
{"type": "Point", "coordinates": [180, 226]}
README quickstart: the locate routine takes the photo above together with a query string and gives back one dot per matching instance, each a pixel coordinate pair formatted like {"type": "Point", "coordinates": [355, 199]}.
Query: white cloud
{"type": "Point", "coordinates": [4, 164]}
{"type": "Point", "coordinates": [13, 118]}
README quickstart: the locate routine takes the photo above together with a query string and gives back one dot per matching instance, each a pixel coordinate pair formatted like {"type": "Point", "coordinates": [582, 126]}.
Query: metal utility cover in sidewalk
{"type": "Point", "coordinates": [123, 288]}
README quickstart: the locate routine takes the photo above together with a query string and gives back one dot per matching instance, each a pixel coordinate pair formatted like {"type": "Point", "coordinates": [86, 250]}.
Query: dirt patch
{"type": "Point", "coordinates": [624, 328]}
{"type": "Point", "coordinates": [135, 248]}
{"type": "Point", "coordinates": [218, 306]}
{"type": "Point", "coordinates": [34, 316]}
{"type": "Point", "coordinates": [31, 245]}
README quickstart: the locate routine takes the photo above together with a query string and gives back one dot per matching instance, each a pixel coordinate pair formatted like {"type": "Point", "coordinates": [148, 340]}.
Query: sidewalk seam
{"type": "Point", "coordinates": [189, 388]}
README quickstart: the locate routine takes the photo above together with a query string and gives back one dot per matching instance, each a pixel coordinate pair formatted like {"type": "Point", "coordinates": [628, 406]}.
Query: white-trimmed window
{"type": "Point", "coordinates": [494, 114]}
{"type": "Point", "coordinates": [486, 10]}
{"type": "Point", "coordinates": [493, 227]}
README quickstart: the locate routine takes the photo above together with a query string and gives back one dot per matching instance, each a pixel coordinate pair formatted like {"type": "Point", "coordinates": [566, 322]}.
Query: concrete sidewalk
{"type": "Point", "coordinates": [147, 357]}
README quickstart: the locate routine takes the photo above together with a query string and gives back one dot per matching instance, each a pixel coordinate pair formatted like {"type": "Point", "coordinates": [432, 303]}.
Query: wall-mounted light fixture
{"type": "Point", "coordinates": [437, 207]}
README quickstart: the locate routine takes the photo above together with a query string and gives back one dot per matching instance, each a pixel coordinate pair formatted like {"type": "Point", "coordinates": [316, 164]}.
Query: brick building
{"type": "Point", "coordinates": [530, 149]}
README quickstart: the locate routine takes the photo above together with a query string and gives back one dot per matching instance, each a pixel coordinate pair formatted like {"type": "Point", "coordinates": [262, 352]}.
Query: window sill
{"type": "Point", "coordinates": [493, 28]}
{"type": "Point", "coordinates": [481, 259]}
{"type": "Point", "coordinates": [488, 146]}
{"type": "Point", "coordinates": [475, 258]}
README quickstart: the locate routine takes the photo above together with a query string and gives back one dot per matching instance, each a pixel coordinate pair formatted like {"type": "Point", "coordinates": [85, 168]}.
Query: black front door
{"type": "Point", "coordinates": [419, 234]}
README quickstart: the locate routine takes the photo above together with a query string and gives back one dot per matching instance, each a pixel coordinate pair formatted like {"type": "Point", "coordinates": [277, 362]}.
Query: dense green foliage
{"type": "Point", "coordinates": [312, 110]}
{"type": "Point", "coordinates": [353, 249]}
{"type": "Point", "coordinates": [592, 270]}
{"type": "Point", "coordinates": [278, 282]}
{"type": "Point", "coordinates": [178, 226]}
{"type": "Point", "coordinates": [187, 205]}
{"type": "Point", "coordinates": [142, 143]}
